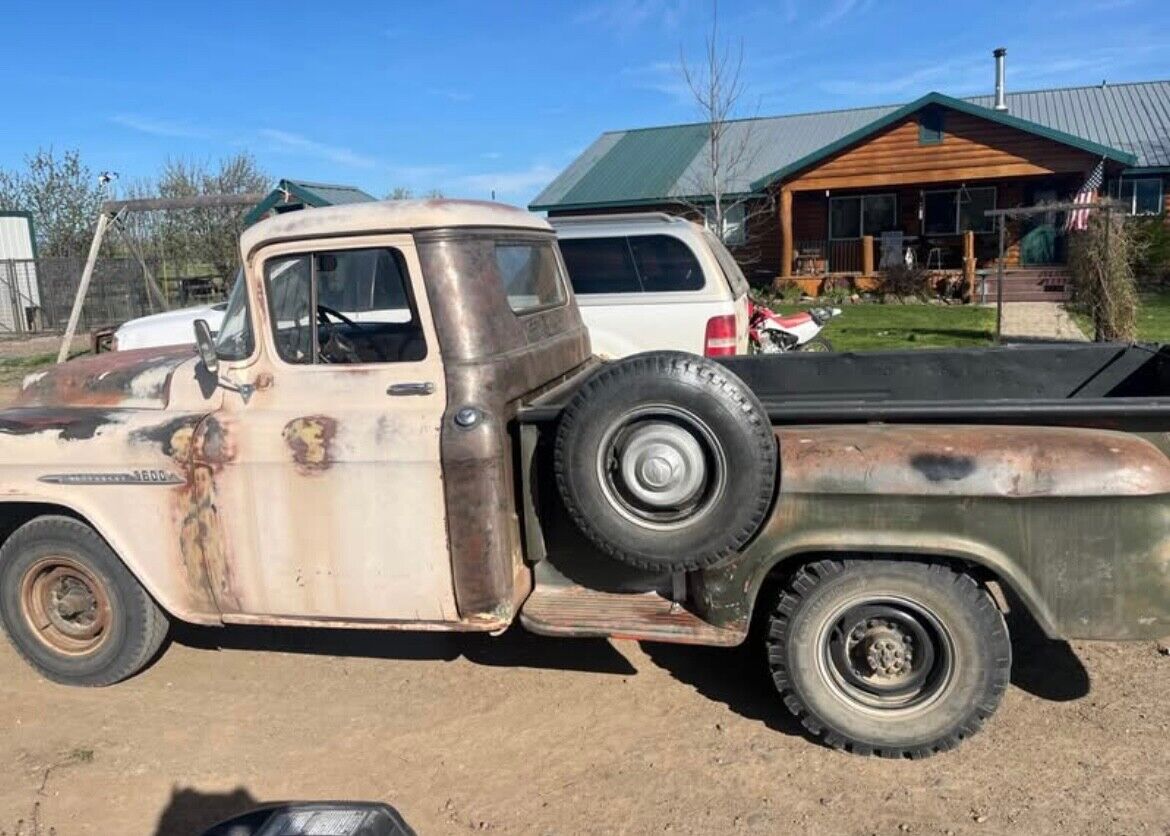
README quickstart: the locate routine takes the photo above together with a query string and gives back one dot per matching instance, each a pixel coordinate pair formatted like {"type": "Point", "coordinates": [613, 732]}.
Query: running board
{"type": "Point", "coordinates": [641, 616]}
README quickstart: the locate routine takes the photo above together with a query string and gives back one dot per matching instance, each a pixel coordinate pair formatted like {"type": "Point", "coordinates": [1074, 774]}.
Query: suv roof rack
{"type": "Point", "coordinates": [658, 217]}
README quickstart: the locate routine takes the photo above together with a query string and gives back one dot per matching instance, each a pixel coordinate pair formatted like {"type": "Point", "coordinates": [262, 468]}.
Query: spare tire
{"type": "Point", "coordinates": [666, 461]}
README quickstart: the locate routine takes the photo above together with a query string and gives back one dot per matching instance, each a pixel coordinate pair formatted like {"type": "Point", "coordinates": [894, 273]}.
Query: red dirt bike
{"type": "Point", "coordinates": [773, 333]}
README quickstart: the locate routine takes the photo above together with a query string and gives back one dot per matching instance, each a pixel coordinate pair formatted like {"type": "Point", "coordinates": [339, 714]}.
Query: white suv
{"type": "Point", "coordinates": [643, 282]}
{"type": "Point", "coordinates": [653, 281]}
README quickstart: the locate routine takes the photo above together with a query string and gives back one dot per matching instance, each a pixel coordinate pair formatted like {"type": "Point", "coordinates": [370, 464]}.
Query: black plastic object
{"type": "Point", "coordinates": [317, 818]}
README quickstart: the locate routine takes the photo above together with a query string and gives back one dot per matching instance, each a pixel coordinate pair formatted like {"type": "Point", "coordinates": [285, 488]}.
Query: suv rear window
{"type": "Point", "coordinates": [631, 264]}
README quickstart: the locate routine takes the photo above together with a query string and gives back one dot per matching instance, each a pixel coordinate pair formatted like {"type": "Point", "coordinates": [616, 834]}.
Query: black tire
{"type": "Point", "coordinates": [107, 630]}
{"type": "Point", "coordinates": [714, 426]}
{"type": "Point", "coordinates": [816, 344]}
{"type": "Point", "coordinates": [937, 692]}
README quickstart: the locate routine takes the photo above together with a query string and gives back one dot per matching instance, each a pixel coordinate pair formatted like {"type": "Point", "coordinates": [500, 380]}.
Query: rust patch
{"type": "Point", "coordinates": [107, 379]}
{"type": "Point", "coordinates": [311, 441]}
{"type": "Point", "coordinates": [69, 424]}
{"type": "Point", "coordinates": [971, 461]}
{"type": "Point", "coordinates": [202, 540]}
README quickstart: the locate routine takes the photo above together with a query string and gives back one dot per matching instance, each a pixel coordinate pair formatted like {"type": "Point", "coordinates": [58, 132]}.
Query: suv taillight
{"type": "Point", "coordinates": [720, 338]}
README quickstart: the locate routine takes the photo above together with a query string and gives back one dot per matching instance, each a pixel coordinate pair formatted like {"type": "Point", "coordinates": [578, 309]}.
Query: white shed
{"type": "Point", "coordinates": [20, 293]}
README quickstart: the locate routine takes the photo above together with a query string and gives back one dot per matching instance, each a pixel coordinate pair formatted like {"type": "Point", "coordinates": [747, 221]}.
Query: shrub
{"type": "Point", "coordinates": [902, 280]}
{"type": "Point", "coordinates": [1101, 262]}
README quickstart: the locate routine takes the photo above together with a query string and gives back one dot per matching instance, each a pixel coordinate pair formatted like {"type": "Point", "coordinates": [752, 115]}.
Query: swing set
{"type": "Point", "coordinates": [113, 214]}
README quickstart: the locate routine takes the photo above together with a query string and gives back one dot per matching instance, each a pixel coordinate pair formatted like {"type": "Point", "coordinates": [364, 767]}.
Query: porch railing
{"type": "Point", "coordinates": [819, 256]}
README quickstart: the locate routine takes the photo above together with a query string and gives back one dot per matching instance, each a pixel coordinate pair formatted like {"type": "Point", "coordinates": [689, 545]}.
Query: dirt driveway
{"type": "Point", "coordinates": [521, 734]}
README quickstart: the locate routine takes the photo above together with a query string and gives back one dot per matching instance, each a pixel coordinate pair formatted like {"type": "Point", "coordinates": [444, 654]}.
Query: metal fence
{"type": "Point", "coordinates": [37, 294]}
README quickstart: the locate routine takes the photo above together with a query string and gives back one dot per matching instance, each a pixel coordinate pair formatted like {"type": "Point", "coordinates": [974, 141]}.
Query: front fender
{"type": "Point", "coordinates": [126, 473]}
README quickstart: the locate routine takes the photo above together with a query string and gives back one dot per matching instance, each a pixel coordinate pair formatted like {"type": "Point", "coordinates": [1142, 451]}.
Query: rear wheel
{"type": "Point", "coordinates": [816, 344]}
{"type": "Point", "coordinates": [70, 606]}
{"type": "Point", "coordinates": [900, 659]}
{"type": "Point", "coordinates": [666, 461]}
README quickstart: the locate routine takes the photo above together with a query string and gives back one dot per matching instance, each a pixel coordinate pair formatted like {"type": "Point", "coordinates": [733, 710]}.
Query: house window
{"type": "Point", "coordinates": [734, 228]}
{"type": "Point", "coordinates": [930, 126]}
{"type": "Point", "coordinates": [1140, 196]}
{"type": "Point", "coordinates": [870, 214]}
{"type": "Point", "coordinates": [954, 211]}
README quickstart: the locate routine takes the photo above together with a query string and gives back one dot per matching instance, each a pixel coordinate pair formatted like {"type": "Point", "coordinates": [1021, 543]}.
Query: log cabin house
{"type": "Point", "coordinates": [842, 194]}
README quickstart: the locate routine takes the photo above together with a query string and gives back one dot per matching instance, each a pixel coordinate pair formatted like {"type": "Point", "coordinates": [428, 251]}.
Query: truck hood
{"type": "Point", "coordinates": [138, 379]}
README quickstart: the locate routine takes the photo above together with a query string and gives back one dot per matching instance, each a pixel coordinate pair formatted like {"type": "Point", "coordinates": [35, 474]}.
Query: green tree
{"type": "Point", "coordinates": [63, 195]}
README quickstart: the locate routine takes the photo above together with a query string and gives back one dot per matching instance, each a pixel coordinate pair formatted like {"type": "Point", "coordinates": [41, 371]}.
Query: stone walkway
{"type": "Point", "coordinates": [1023, 321]}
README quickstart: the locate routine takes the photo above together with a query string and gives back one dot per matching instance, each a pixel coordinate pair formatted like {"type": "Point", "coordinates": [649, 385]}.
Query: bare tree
{"type": "Point", "coordinates": [63, 196]}
{"type": "Point", "coordinates": [406, 193]}
{"type": "Point", "coordinates": [718, 188]}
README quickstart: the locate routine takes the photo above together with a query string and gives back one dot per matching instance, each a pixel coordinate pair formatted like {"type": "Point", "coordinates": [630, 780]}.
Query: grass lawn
{"type": "Point", "coordinates": [869, 327]}
{"type": "Point", "coordinates": [1153, 319]}
{"type": "Point", "coordinates": [13, 369]}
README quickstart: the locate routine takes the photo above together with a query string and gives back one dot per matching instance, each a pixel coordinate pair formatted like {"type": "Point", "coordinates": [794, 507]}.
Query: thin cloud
{"type": "Point", "coordinates": [663, 77]}
{"type": "Point", "coordinates": [840, 9]}
{"type": "Point", "coordinates": [450, 95]}
{"type": "Point", "coordinates": [509, 184]}
{"type": "Point", "coordinates": [288, 141]}
{"type": "Point", "coordinates": [624, 17]}
{"type": "Point", "coordinates": [157, 127]}
{"type": "Point", "coordinates": [961, 75]}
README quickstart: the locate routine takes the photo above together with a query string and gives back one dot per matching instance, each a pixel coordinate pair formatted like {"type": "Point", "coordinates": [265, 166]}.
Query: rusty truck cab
{"type": "Point", "coordinates": [385, 494]}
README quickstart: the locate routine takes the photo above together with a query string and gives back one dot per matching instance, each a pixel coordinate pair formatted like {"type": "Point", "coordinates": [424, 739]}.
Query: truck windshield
{"type": "Point", "coordinates": [235, 340]}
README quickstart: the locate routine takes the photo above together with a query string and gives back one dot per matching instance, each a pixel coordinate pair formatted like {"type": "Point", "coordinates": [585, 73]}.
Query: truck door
{"type": "Point", "coordinates": [328, 485]}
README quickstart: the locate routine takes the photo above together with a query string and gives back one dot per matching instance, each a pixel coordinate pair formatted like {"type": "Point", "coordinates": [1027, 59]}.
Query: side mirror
{"type": "Point", "coordinates": [206, 345]}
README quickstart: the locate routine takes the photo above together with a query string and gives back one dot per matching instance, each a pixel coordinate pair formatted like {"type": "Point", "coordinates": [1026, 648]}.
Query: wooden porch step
{"type": "Point", "coordinates": [644, 616]}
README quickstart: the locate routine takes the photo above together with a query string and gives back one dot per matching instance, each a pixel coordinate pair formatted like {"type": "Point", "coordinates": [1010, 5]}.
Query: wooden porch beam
{"type": "Point", "coordinates": [786, 243]}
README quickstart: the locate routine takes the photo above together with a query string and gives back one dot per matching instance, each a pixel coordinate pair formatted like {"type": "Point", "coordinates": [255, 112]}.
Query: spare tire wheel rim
{"type": "Point", "coordinates": [661, 466]}
{"type": "Point", "coordinates": [65, 605]}
{"type": "Point", "coordinates": [886, 655]}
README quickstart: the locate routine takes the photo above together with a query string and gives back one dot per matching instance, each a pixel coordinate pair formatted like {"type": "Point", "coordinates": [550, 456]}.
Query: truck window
{"type": "Point", "coordinates": [344, 306]}
{"type": "Point", "coordinates": [530, 274]}
{"type": "Point", "coordinates": [631, 264]}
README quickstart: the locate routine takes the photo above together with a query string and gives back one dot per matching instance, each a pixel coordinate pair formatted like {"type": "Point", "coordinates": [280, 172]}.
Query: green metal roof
{"type": "Point", "coordinates": [1119, 121]}
{"type": "Point", "coordinates": [306, 194]}
{"type": "Point", "coordinates": [657, 158]}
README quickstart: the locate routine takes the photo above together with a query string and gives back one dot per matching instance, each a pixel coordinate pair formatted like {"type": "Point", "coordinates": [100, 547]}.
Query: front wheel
{"type": "Point", "coordinates": [899, 659]}
{"type": "Point", "coordinates": [70, 606]}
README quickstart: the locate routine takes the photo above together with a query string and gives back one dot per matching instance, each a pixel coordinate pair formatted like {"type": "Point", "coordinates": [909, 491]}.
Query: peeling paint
{"type": "Point", "coordinates": [310, 439]}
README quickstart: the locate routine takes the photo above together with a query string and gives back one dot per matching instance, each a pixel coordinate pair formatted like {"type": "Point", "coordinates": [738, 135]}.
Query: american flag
{"type": "Point", "coordinates": [1078, 219]}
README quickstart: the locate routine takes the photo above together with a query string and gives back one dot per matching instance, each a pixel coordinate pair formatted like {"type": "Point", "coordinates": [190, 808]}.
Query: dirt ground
{"type": "Point", "coordinates": [521, 734]}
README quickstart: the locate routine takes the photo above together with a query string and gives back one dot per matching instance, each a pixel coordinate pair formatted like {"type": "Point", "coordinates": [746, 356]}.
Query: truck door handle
{"type": "Point", "coordinates": [427, 388]}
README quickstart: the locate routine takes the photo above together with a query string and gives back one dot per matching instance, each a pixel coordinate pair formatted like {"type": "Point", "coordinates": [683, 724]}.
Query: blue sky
{"type": "Point", "coordinates": [468, 97]}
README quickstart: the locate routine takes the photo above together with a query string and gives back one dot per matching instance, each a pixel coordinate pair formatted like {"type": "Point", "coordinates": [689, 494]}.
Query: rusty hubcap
{"type": "Point", "coordinates": [66, 605]}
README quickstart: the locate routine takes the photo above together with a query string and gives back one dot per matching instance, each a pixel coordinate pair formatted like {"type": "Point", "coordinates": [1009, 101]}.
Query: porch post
{"type": "Point", "coordinates": [969, 262]}
{"type": "Point", "coordinates": [867, 255]}
{"type": "Point", "coordinates": [785, 232]}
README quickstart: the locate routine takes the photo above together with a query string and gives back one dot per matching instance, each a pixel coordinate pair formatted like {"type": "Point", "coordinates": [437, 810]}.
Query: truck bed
{"type": "Point", "coordinates": [1073, 384]}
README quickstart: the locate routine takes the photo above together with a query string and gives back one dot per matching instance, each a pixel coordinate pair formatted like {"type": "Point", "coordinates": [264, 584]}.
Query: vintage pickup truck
{"type": "Point", "coordinates": [401, 426]}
